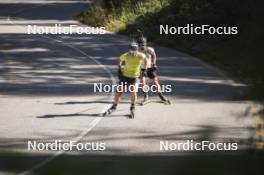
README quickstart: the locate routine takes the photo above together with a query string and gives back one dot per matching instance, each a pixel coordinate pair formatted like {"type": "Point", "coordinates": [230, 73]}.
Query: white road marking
{"type": "Point", "coordinates": [84, 133]}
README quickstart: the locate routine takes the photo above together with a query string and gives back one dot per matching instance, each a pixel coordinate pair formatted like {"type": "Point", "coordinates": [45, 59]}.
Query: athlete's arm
{"type": "Point", "coordinates": [119, 63]}
{"type": "Point", "coordinates": [153, 57]}
{"type": "Point", "coordinates": [145, 63]}
{"type": "Point", "coordinates": [119, 72]}
{"type": "Point", "coordinates": [144, 69]}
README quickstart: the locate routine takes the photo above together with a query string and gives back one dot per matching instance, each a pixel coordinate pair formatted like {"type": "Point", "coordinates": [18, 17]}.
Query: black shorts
{"type": "Point", "coordinates": [151, 73]}
{"type": "Point", "coordinates": [127, 80]}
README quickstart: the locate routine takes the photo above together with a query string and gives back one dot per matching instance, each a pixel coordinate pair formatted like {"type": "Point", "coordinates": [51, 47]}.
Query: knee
{"type": "Point", "coordinates": [119, 93]}
{"type": "Point", "coordinates": [154, 81]}
{"type": "Point", "coordinates": [142, 80]}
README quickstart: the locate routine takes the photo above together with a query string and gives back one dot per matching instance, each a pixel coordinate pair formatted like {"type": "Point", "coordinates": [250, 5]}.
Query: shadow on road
{"type": "Point", "coordinates": [89, 102]}
{"type": "Point", "coordinates": [199, 163]}
{"type": "Point", "coordinates": [68, 115]}
{"type": "Point", "coordinates": [244, 161]}
{"type": "Point", "coordinates": [78, 115]}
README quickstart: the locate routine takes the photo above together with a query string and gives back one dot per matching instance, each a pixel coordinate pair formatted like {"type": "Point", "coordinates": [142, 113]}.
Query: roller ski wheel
{"type": "Point", "coordinates": [144, 102]}
{"type": "Point", "coordinates": [166, 102]}
{"type": "Point", "coordinates": [108, 112]}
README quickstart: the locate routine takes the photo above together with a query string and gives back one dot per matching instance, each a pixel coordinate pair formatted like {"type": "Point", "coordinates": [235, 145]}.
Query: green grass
{"type": "Point", "coordinates": [239, 55]}
{"type": "Point", "coordinates": [115, 16]}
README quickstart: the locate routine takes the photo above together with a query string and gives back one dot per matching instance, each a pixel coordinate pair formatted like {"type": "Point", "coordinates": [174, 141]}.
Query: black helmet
{"type": "Point", "coordinates": [142, 40]}
{"type": "Point", "coordinates": [133, 46]}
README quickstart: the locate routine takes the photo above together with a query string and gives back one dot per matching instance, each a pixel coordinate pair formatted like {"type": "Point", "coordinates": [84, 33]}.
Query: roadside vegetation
{"type": "Point", "coordinates": [239, 55]}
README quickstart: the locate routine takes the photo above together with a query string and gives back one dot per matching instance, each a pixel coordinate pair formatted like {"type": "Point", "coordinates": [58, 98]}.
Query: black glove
{"type": "Point", "coordinates": [154, 67]}
{"type": "Point", "coordinates": [143, 72]}
{"type": "Point", "coordinates": [120, 73]}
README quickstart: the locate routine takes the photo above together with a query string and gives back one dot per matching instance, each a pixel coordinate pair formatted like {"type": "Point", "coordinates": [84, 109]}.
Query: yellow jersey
{"type": "Point", "coordinates": [133, 62]}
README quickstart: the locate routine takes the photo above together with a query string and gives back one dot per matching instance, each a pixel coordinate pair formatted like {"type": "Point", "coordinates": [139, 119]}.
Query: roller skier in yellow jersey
{"type": "Point", "coordinates": [129, 69]}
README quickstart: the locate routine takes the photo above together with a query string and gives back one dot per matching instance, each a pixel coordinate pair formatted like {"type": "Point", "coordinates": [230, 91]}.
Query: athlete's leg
{"type": "Point", "coordinates": [155, 82]}
{"type": "Point", "coordinates": [117, 97]}
{"type": "Point", "coordinates": [133, 100]}
{"type": "Point", "coordinates": [144, 87]}
{"type": "Point", "coordinates": [143, 82]}
{"type": "Point", "coordinates": [114, 105]}
{"type": "Point", "coordinates": [133, 96]}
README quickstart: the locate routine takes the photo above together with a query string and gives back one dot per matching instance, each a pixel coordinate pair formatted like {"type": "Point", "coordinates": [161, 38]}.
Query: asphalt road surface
{"type": "Point", "coordinates": [47, 93]}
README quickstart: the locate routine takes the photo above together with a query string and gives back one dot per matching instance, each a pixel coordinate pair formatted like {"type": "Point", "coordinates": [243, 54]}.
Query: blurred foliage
{"type": "Point", "coordinates": [116, 14]}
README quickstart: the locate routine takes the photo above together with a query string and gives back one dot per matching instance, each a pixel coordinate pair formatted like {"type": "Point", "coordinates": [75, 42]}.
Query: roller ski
{"type": "Point", "coordinates": [164, 100]}
{"type": "Point", "coordinates": [109, 111]}
{"type": "Point", "coordinates": [145, 100]}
